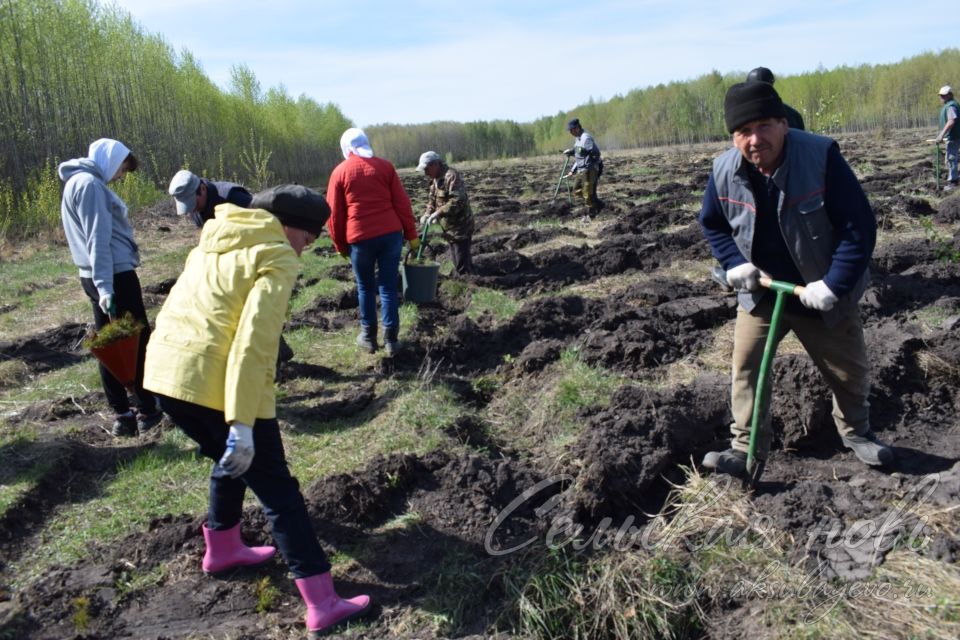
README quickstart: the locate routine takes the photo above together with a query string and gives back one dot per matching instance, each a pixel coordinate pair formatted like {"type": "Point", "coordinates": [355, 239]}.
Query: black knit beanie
{"type": "Point", "coordinates": [749, 101]}
{"type": "Point", "coordinates": [295, 206]}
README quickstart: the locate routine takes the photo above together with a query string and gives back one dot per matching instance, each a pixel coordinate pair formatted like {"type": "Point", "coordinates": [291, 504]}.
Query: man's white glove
{"type": "Point", "coordinates": [239, 454]}
{"type": "Point", "coordinates": [817, 295]}
{"type": "Point", "coordinates": [567, 152]}
{"type": "Point", "coordinates": [106, 304]}
{"type": "Point", "coordinates": [744, 277]}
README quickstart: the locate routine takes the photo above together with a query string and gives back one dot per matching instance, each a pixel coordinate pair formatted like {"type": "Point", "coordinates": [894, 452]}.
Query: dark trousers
{"type": "Point", "coordinates": [127, 297]}
{"type": "Point", "coordinates": [268, 477]}
{"type": "Point", "coordinates": [460, 252]}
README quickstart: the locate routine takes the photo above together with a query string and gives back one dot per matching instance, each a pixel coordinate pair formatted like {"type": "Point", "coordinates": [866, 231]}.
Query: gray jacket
{"type": "Point", "coordinates": [96, 225]}
{"type": "Point", "coordinates": [804, 223]}
{"type": "Point", "coordinates": [586, 153]}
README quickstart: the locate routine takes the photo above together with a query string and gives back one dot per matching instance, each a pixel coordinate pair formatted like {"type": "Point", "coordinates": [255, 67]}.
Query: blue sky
{"type": "Point", "coordinates": [418, 61]}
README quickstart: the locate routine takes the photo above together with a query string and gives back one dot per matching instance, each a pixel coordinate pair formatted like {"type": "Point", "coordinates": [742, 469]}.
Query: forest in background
{"type": "Point", "coordinates": [72, 71]}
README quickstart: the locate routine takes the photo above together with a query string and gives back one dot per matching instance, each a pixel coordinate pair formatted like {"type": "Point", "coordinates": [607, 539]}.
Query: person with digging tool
{"type": "Point", "coordinates": [101, 244]}
{"type": "Point", "coordinates": [199, 197]}
{"type": "Point", "coordinates": [785, 203]}
{"type": "Point", "coordinates": [212, 363]}
{"type": "Point", "coordinates": [762, 74]}
{"type": "Point", "coordinates": [370, 217]}
{"type": "Point", "coordinates": [448, 204]}
{"type": "Point", "coordinates": [950, 134]}
{"type": "Point", "coordinates": [587, 168]}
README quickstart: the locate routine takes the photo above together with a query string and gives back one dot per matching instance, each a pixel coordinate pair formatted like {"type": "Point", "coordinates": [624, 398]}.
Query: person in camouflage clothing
{"type": "Point", "coordinates": [449, 205]}
{"type": "Point", "coordinates": [587, 167]}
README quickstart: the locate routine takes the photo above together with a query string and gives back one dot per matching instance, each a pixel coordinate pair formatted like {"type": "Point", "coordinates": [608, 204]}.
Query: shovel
{"type": "Point", "coordinates": [937, 161]}
{"type": "Point", "coordinates": [755, 467]}
{"type": "Point", "coordinates": [423, 241]}
{"type": "Point", "coordinates": [563, 174]}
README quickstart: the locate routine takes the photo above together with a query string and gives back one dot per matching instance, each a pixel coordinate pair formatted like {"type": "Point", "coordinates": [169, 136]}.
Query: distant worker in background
{"type": "Point", "coordinates": [448, 204]}
{"type": "Point", "coordinates": [785, 203]}
{"type": "Point", "coordinates": [101, 243]}
{"type": "Point", "coordinates": [587, 167]}
{"type": "Point", "coordinates": [370, 217]}
{"type": "Point", "coordinates": [762, 74]}
{"type": "Point", "coordinates": [198, 196]}
{"type": "Point", "coordinates": [950, 134]}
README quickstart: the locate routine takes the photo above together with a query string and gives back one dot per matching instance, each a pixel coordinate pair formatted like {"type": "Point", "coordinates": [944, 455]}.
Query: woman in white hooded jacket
{"type": "Point", "coordinates": [102, 246]}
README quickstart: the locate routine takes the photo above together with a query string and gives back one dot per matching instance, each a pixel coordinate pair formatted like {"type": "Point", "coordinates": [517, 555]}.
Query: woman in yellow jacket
{"type": "Point", "coordinates": [211, 361]}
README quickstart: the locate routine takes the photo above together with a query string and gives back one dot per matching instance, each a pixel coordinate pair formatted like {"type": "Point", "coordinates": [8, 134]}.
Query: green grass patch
{"type": "Point", "coordinates": [13, 490]}
{"type": "Point", "coordinates": [76, 380]}
{"type": "Point", "coordinates": [454, 592]}
{"type": "Point", "coordinates": [164, 479]}
{"type": "Point", "coordinates": [498, 304]}
{"type": "Point", "coordinates": [544, 417]}
{"type": "Point", "coordinates": [406, 416]}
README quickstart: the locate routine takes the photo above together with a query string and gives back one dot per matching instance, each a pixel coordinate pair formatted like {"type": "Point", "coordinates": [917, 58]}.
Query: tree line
{"type": "Point", "coordinates": [72, 71]}
{"type": "Point", "coordinates": [847, 98]}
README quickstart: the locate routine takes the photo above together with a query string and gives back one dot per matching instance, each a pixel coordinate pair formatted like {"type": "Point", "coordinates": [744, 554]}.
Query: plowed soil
{"type": "Point", "coordinates": [630, 291]}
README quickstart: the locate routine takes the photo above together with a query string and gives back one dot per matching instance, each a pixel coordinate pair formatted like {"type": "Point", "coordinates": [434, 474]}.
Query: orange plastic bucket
{"type": "Point", "coordinates": [120, 358]}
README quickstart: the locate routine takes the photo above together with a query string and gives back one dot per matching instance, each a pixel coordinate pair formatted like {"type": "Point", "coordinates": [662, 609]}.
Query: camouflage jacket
{"type": "Point", "coordinates": [448, 197]}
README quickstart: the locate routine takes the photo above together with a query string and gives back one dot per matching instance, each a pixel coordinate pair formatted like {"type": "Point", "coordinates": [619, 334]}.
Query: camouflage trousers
{"type": "Point", "coordinates": [585, 186]}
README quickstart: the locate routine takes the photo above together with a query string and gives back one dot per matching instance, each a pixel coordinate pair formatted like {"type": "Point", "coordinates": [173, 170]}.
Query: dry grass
{"type": "Point", "coordinates": [933, 366]}
{"type": "Point", "coordinates": [710, 547]}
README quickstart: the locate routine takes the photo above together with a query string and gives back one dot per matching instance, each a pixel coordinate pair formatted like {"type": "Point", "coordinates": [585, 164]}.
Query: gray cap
{"type": "Point", "coordinates": [426, 158]}
{"type": "Point", "coordinates": [183, 188]}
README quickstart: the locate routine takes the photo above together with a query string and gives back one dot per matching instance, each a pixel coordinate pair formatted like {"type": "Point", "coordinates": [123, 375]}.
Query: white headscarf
{"type": "Point", "coordinates": [108, 155]}
{"type": "Point", "coordinates": [355, 141]}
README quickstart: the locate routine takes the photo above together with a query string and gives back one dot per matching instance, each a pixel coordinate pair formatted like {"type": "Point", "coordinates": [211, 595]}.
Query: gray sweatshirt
{"type": "Point", "coordinates": [96, 225]}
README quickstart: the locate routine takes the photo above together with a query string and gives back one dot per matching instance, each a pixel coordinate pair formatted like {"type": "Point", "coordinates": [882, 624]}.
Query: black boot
{"type": "Point", "coordinates": [390, 340]}
{"type": "Point", "coordinates": [367, 339]}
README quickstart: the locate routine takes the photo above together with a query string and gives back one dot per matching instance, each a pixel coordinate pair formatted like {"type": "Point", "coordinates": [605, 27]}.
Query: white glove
{"type": "Point", "coordinates": [744, 277]}
{"type": "Point", "coordinates": [424, 218]}
{"type": "Point", "coordinates": [106, 304]}
{"type": "Point", "coordinates": [239, 454]}
{"type": "Point", "coordinates": [567, 152]}
{"type": "Point", "coordinates": [817, 295]}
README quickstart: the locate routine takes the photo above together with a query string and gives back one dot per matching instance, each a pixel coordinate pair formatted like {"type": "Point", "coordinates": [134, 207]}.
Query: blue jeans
{"type": "Point", "coordinates": [268, 477]}
{"type": "Point", "coordinates": [376, 264]}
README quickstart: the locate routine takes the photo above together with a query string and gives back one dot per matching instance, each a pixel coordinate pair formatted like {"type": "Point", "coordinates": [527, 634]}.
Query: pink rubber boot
{"type": "Point", "coordinates": [325, 609]}
{"type": "Point", "coordinates": [225, 550]}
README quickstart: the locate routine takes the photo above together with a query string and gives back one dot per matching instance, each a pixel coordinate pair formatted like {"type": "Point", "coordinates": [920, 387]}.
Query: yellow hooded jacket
{"type": "Point", "coordinates": [217, 335]}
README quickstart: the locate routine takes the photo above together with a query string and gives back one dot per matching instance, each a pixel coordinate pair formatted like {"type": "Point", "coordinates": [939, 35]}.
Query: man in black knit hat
{"type": "Point", "coordinates": [785, 203]}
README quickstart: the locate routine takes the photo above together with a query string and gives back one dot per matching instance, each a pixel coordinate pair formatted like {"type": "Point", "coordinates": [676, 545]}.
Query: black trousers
{"type": "Point", "coordinates": [127, 297]}
{"type": "Point", "coordinates": [460, 252]}
{"type": "Point", "coordinates": [268, 477]}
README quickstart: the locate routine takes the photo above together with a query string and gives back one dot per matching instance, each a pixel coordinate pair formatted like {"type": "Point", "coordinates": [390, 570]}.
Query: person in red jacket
{"type": "Point", "coordinates": [370, 217]}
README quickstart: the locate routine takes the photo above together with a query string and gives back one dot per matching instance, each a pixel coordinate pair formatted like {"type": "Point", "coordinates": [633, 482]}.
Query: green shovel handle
{"type": "Point", "coordinates": [782, 289]}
